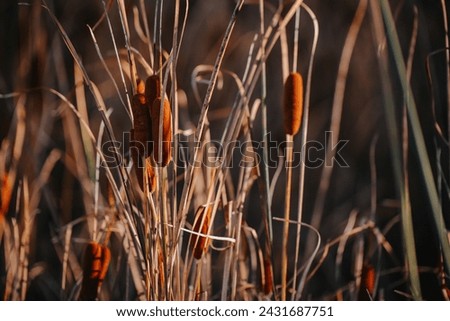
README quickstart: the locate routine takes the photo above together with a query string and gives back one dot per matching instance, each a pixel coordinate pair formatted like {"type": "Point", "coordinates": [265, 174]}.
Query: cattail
{"type": "Point", "coordinates": [152, 89]}
{"type": "Point", "coordinates": [368, 279]}
{"type": "Point", "coordinates": [5, 195]}
{"type": "Point", "coordinates": [150, 171]}
{"type": "Point", "coordinates": [140, 144]}
{"type": "Point", "coordinates": [268, 277]}
{"type": "Point", "coordinates": [201, 225]}
{"type": "Point", "coordinates": [166, 139]}
{"type": "Point", "coordinates": [95, 266]}
{"type": "Point", "coordinates": [293, 103]}
{"type": "Point", "coordinates": [142, 123]}
{"type": "Point", "coordinates": [140, 88]}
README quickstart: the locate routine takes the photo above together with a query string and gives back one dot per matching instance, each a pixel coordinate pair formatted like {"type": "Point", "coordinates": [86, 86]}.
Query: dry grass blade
{"type": "Point", "coordinates": [95, 267]}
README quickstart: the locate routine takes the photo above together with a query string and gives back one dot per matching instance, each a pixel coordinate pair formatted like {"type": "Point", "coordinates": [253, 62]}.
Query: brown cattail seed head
{"type": "Point", "coordinates": [165, 140]}
{"type": "Point", "coordinates": [152, 89]}
{"type": "Point", "coordinates": [293, 103]}
{"type": "Point", "coordinates": [201, 225]}
{"type": "Point", "coordinates": [141, 116]}
{"type": "Point", "coordinates": [95, 266]}
{"type": "Point", "coordinates": [5, 194]}
{"type": "Point", "coordinates": [141, 135]}
{"type": "Point", "coordinates": [142, 124]}
{"type": "Point", "coordinates": [369, 278]}
{"type": "Point", "coordinates": [140, 86]}
{"type": "Point", "coordinates": [268, 277]}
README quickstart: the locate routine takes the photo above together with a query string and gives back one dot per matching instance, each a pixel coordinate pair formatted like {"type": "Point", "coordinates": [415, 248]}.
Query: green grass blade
{"type": "Point", "coordinates": [416, 130]}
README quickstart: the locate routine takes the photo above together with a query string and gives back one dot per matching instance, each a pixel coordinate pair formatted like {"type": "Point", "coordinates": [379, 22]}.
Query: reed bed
{"type": "Point", "coordinates": [224, 150]}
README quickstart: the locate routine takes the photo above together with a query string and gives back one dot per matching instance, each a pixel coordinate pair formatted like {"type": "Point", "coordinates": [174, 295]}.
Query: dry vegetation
{"type": "Point", "coordinates": [224, 150]}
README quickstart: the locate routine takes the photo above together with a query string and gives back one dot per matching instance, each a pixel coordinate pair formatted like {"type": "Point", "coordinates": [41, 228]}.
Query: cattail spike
{"type": "Point", "coordinates": [293, 103]}
{"type": "Point", "coordinates": [201, 225]}
{"type": "Point", "coordinates": [140, 86]}
{"type": "Point", "coordinates": [166, 139]}
{"type": "Point", "coordinates": [5, 195]}
{"type": "Point", "coordinates": [152, 89]}
{"type": "Point", "coordinates": [268, 277]}
{"type": "Point", "coordinates": [95, 267]}
{"type": "Point", "coordinates": [142, 124]}
{"type": "Point", "coordinates": [369, 279]}
{"type": "Point", "coordinates": [141, 135]}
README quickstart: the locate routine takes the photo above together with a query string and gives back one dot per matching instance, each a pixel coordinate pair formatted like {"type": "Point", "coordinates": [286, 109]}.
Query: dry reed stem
{"type": "Point", "coordinates": [95, 267]}
{"type": "Point", "coordinates": [110, 196]}
{"type": "Point", "coordinates": [293, 103]}
{"type": "Point", "coordinates": [165, 140]}
{"type": "Point", "coordinates": [137, 150]}
{"type": "Point", "coordinates": [201, 225]}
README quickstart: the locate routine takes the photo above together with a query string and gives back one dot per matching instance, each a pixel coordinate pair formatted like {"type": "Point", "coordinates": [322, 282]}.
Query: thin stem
{"type": "Point", "coordinates": [287, 210]}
